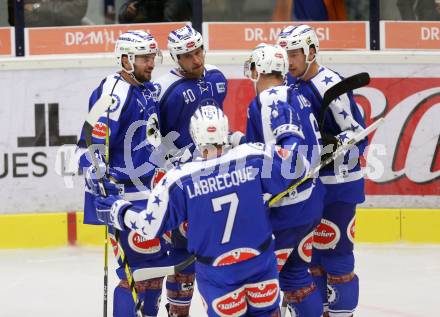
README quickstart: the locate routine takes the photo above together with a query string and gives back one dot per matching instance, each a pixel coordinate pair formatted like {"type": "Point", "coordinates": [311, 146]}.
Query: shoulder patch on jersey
{"type": "Point", "coordinates": [164, 82]}
{"type": "Point", "coordinates": [116, 106]}
{"type": "Point", "coordinates": [221, 87]}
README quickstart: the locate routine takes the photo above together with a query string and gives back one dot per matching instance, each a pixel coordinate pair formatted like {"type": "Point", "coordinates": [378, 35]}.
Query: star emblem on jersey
{"type": "Point", "coordinates": [354, 127]}
{"type": "Point", "coordinates": [344, 114]}
{"type": "Point", "coordinates": [157, 200]}
{"type": "Point", "coordinates": [343, 137]}
{"type": "Point", "coordinates": [327, 80]}
{"type": "Point", "coordinates": [164, 182]}
{"type": "Point", "coordinates": [149, 217]}
{"type": "Point", "coordinates": [273, 91]}
{"type": "Point", "coordinates": [133, 225]}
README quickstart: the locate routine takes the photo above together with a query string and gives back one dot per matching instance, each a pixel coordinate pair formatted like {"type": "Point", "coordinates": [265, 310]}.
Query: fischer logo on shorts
{"type": "Point", "coordinates": [262, 294]}
{"type": "Point", "coordinates": [99, 130]}
{"type": "Point", "coordinates": [305, 247]}
{"type": "Point", "coordinates": [282, 255]}
{"type": "Point", "coordinates": [326, 235]}
{"type": "Point", "coordinates": [141, 245]}
{"type": "Point", "coordinates": [351, 229]}
{"type": "Point", "coordinates": [235, 256]}
{"type": "Point", "coordinates": [233, 304]}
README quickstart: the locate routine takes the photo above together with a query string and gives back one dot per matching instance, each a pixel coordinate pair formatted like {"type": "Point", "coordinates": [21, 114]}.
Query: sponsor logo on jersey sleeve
{"type": "Point", "coordinates": [326, 235]}
{"type": "Point", "coordinates": [141, 245]}
{"type": "Point", "coordinates": [221, 87]}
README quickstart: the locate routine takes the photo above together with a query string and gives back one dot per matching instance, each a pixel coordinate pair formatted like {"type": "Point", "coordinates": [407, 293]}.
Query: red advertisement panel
{"type": "Point", "coordinates": [409, 138]}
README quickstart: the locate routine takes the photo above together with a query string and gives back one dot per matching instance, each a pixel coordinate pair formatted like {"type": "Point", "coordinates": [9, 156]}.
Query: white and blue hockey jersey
{"type": "Point", "coordinates": [128, 147]}
{"type": "Point", "coordinates": [224, 201]}
{"type": "Point", "coordinates": [179, 97]}
{"type": "Point", "coordinates": [343, 119]}
{"type": "Point", "coordinates": [303, 129]}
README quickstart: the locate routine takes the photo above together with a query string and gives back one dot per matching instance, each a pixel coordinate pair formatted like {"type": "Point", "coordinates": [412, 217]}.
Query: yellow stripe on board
{"type": "Point", "coordinates": [377, 225]}
{"type": "Point", "coordinates": [33, 230]}
{"type": "Point", "coordinates": [421, 225]}
{"type": "Point", "coordinates": [373, 225]}
{"type": "Point", "coordinates": [88, 234]}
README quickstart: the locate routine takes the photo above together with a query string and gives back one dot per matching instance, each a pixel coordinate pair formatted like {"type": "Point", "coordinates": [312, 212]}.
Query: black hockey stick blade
{"type": "Point", "coordinates": [344, 86]}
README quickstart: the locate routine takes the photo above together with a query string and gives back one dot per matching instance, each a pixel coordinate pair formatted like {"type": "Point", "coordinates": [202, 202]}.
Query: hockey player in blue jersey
{"type": "Point", "coordinates": [333, 259]}
{"type": "Point", "coordinates": [179, 93]}
{"type": "Point", "coordinates": [182, 89]}
{"type": "Point", "coordinates": [295, 217]}
{"type": "Point", "coordinates": [133, 133]}
{"type": "Point", "coordinates": [223, 195]}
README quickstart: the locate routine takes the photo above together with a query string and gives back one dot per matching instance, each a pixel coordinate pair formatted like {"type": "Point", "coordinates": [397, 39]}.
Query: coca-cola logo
{"type": "Point", "coordinates": [305, 248]}
{"type": "Point", "coordinates": [262, 294]}
{"type": "Point", "coordinates": [231, 304]}
{"type": "Point", "coordinates": [408, 140]}
{"type": "Point", "coordinates": [282, 255]}
{"type": "Point", "coordinates": [351, 229]}
{"type": "Point", "coordinates": [141, 245]}
{"type": "Point", "coordinates": [235, 256]}
{"type": "Point", "coordinates": [326, 235]}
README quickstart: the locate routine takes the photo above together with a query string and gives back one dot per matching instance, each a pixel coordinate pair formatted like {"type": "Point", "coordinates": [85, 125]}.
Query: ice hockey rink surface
{"type": "Point", "coordinates": [397, 280]}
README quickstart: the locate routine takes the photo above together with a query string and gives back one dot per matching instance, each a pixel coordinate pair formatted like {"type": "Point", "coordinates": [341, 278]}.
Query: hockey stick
{"type": "Point", "coordinates": [344, 86]}
{"type": "Point", "coordinates": [339, 151]}
{"type": "Point", "coordinates": [155, 272]}
{"type": "Point", "coordinates": [102, 105]}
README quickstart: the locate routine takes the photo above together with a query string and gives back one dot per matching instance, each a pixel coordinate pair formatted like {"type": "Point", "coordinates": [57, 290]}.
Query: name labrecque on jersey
{"type": "Point", "coordinates": [220, 182]}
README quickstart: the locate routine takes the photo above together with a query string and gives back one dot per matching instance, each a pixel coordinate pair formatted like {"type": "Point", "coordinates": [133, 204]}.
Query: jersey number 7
{"type": "Point", "coordinates": [217, 203]}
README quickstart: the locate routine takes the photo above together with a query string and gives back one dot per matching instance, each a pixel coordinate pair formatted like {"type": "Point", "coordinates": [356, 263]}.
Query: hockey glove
{"type": "Point", "coordinates": [285, 122]}
{"type": "Point", "coordinates": [110, 210]}
{"type": "Point", "coordinates": [236, 138]}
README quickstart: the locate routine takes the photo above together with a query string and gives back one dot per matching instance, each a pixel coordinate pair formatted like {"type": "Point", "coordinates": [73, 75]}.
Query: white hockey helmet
{"type": "Point", "coordinates": [266, 59]}
{"type": "Point", "coordinates": [134, 43]}
{"type": "Point", "coordinates": [209, 125]}
{"type": "Point", "coordinates": [300, 36]}
{"type": "Point", "coordinates": [184, 40]}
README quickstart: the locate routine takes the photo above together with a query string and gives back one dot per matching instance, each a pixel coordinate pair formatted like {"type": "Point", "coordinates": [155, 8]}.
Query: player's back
{"type": "Point", "coordinates": [226, 208]}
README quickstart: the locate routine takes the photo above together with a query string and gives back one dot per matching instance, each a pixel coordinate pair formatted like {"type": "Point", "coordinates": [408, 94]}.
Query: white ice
{"type": "Point", "coordinates": [396, 280]}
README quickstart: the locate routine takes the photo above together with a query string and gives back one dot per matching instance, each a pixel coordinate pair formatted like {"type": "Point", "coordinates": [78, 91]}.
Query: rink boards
{"type": "Point", "coordinates": [46, 106]}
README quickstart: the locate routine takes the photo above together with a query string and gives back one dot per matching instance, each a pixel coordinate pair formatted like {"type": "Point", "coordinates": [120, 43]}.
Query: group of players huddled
{"type": "Point", "coordinates": [192, 187]}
